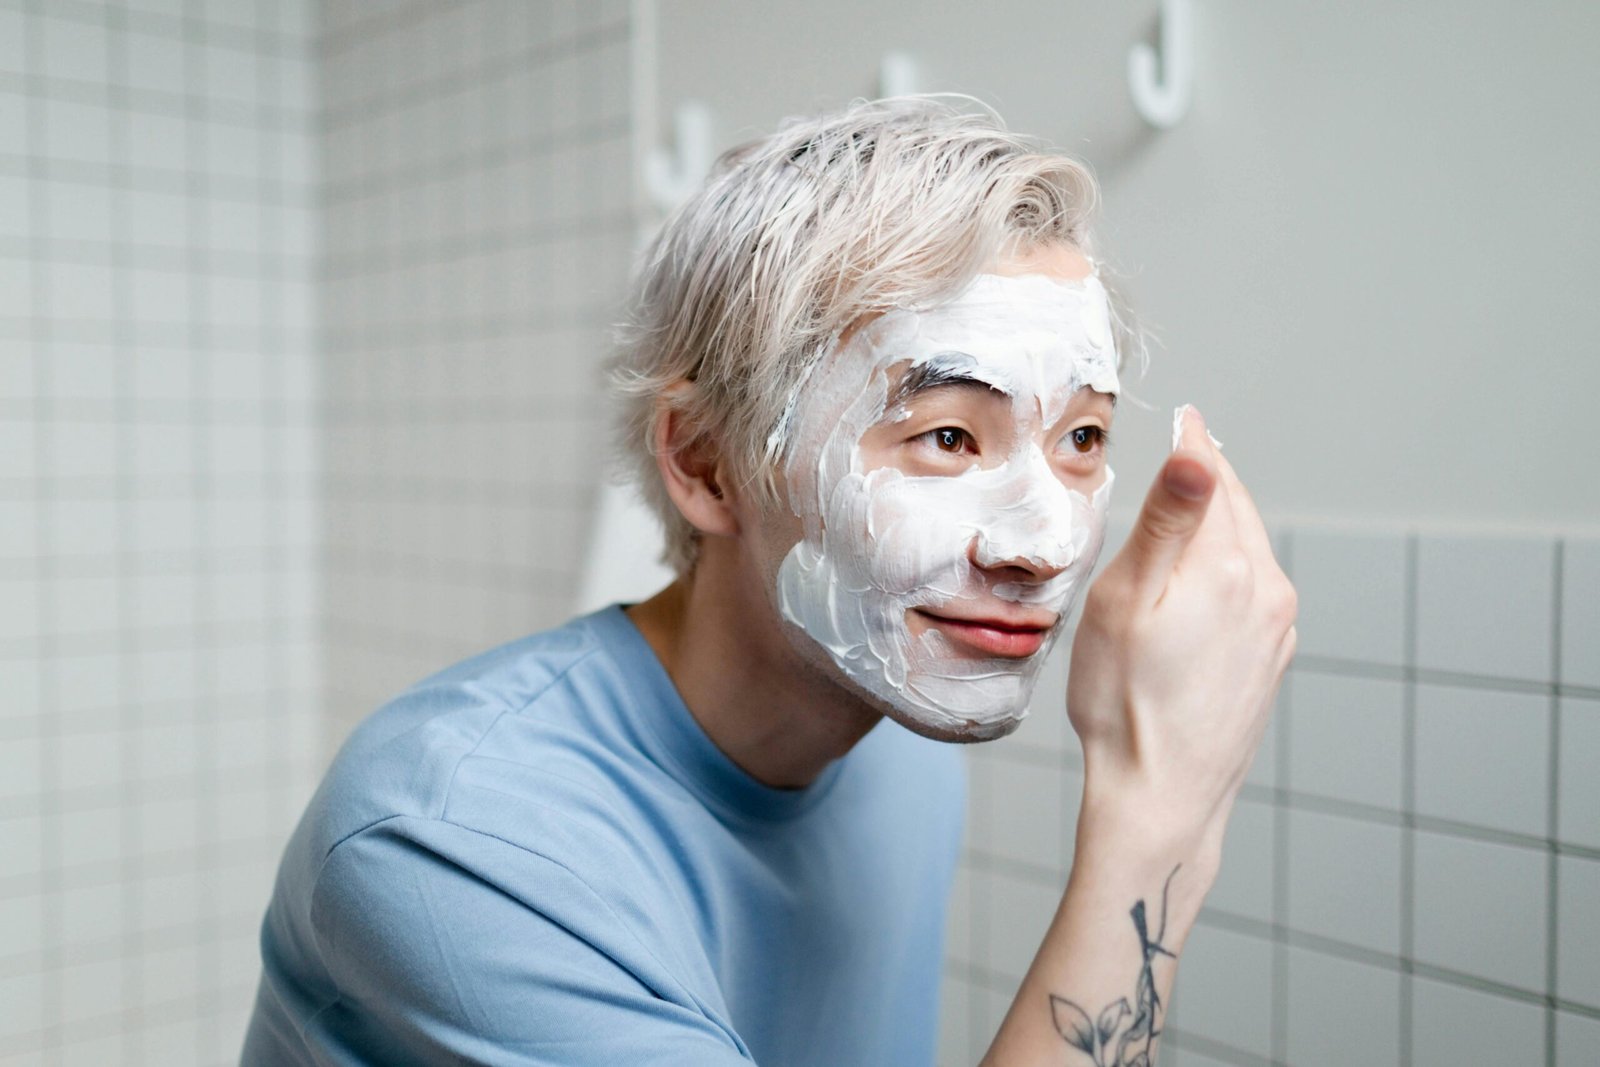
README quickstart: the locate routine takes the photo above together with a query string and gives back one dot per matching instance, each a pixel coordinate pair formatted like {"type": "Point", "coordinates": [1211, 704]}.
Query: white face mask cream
{"type": "Point", "coordinates": [1002, 538]}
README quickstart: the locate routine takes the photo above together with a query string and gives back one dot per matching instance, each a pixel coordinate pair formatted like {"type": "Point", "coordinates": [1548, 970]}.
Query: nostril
{"type": "Point", "coordinates": [1040, 551]}
{"type": "Point", "coordinates": [1032, 523]}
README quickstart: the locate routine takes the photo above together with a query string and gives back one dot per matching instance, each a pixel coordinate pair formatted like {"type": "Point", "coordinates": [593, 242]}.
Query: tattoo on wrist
{"type": "Point", "coordinates": [1123, 1035]}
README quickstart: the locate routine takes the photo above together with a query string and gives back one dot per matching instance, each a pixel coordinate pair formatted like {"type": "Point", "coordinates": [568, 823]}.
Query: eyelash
{"type": "Point", "coordinates": [1100, 439]}
{"type": "Point", "coordinates": [962, 437]}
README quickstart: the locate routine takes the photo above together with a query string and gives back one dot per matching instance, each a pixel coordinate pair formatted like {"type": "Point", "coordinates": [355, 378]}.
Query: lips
{"type": "Point", "coordinates": [1007, 638]}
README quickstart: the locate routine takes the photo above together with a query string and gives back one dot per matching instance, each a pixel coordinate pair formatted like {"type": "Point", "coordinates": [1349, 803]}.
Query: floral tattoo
{"type": "Point", "coordinates": [1124, 1035]}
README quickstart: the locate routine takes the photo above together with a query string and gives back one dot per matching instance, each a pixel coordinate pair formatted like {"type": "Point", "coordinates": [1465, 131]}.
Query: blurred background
{"type": "Point", "coordinates": [302, 310]}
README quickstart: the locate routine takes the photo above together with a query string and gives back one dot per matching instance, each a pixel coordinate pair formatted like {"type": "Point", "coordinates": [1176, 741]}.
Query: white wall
{"type": "Point", "coordinates": [479, 220]}
{"type": "Point", "coordinates": [1367, 249]}
{"type": "Point", "coordinates": [159, 691]}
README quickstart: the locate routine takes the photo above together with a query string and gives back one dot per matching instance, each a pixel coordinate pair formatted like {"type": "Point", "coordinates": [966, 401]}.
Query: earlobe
{"type": "Point", "coordinates": [691, 471]}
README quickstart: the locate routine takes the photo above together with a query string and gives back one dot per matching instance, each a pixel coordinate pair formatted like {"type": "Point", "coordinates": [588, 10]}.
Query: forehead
{"type": "Point", "coordinates": [1025, 334]}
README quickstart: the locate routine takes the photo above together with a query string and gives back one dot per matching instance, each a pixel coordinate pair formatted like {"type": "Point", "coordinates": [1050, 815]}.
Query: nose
{"type": "Point", "coordinates": [1031, 527]}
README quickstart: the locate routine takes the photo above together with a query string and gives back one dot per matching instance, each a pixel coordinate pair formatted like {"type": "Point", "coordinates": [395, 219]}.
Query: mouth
{"type": "Point", "coordinates": [1007, 638]}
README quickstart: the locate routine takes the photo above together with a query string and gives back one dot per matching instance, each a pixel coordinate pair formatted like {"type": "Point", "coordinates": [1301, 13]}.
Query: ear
{"type": "Point", "coordinates": [691, 470]}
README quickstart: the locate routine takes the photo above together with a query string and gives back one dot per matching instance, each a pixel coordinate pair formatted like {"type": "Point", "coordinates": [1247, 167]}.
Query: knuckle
{"type": "Point", "coordinates": [1289, 604]}
{"type": "Point", "coordinates": [1282, 602]}
{"type": "Point", "coordinates": [1235, 573]}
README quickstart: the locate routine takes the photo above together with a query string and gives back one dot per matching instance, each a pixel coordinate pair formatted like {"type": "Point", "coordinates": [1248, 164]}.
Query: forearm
{"type": "Point", "coordinates": [1097, 991]}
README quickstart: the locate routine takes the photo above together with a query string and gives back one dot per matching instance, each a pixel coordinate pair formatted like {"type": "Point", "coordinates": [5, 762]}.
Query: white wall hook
{"type": "Point", "coordinates": [669, 177]}
{"type": "Point", "coordinates": [1162, 85]}
{"type": "Point", "coordinates": [897, 74]}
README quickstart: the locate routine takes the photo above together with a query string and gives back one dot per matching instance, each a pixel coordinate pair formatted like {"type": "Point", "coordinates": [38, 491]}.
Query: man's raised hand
{"type": "Point", "coordinates": [1177, 660]}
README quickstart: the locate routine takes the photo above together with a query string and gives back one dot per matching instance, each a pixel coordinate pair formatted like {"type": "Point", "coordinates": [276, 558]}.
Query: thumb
{"type": "Point", "coordinates": [1176, 503]}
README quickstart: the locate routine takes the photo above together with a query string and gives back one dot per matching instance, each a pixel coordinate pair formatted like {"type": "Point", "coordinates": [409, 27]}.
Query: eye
{"type": "Point", "coordinates": [1086, 440]}
{"type": "Point", "coordinates": [952, 439]}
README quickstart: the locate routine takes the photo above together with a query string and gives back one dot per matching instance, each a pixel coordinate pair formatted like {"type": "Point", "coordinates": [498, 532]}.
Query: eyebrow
{"type": "Point", "coordinates": [935, 373]}
{"type": "Point", "coordinates": [940, 371]}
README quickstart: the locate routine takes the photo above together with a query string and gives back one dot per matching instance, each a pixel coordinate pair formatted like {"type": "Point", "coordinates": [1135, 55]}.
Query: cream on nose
{"type": "Point", "coordinates": [1030, 521]}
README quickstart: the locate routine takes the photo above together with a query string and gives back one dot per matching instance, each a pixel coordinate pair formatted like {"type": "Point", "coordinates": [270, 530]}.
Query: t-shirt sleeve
{"type": "Point", "coordinates": [444, 949]}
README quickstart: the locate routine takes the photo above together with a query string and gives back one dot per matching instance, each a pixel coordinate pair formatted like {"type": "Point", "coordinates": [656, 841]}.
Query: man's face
{"type": "Point", "coordinates": [948, 467]}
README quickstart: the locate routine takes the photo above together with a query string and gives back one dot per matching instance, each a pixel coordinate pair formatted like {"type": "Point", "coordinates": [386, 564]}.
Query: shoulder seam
{"type": "Point", "coordinates": [505, 709]}
{"type": "Point", "coordinates": [449, 786]}
{"type": "Point", "coordinates": [683, 990]}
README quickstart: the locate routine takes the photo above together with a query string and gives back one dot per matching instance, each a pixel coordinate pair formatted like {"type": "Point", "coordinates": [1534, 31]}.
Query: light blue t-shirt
{"type": "Point", "coordinates": [538, 857]}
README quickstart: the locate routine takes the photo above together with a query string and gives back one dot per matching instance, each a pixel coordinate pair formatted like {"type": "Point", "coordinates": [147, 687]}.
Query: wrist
{"type": "Point", "coordinates": [1135, 826]}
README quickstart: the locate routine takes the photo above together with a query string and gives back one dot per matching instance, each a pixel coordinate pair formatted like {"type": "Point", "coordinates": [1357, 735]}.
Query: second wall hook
{"type": "Point", "coordinates": [670, 177]}
{"type": "Point", "coordinates": [897, 74]}
{"type": "Point", "coordinates": [1163, 85]}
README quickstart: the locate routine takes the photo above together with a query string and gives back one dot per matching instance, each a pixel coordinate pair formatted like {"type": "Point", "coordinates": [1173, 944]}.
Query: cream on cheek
{"type": "Point", "coordinates": [879, 544]}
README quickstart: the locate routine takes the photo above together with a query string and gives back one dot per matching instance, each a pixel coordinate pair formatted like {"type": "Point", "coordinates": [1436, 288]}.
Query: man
{"type": "Point", "coordinates": [869, 380]}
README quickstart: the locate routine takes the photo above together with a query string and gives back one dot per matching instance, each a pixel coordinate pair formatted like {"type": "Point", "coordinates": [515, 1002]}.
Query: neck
{"type": "Point", "coordinates": [779, 719]}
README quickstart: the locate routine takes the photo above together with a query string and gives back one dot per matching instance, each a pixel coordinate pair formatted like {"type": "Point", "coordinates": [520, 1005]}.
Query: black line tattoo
{"type": "Point", "coordinates": [1143, 1018]}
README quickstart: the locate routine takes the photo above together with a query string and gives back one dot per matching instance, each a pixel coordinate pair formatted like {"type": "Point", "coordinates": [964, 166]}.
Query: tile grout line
{"type": "Point", "coordinates": [172, 25]}
{"type": "Point", "coordinates": [276, 428]}
{"type": "Point", "coordinates": [1283, 784]}
{"type": "Point", "coordinates": [1342, 950]}
{"type": "Point", "coordinates": [1408, 801]}
{"type": "Point", "coordinates": [1553, 810]}
{"type": "Point", "coordinates": [1346, 668]}
{"type": "Point", "coordinates": [977, 916]}
{"type": "Point", "coordinates": [131, 712]}
{"type": "Point", "coordinates": [49, 1021]}
{"type": "Point", "coordinates": [207, 688]}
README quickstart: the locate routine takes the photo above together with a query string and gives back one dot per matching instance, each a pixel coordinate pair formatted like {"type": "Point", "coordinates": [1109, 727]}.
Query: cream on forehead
{"type": "Point", "coordinates": [881, 543]}
{"type": "Point", "coordinates": [1027, 334]}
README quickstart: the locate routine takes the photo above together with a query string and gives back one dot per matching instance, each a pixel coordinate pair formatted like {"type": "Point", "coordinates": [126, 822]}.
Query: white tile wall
{"type": "Point", "coordinates": [1580, 612]}
{"type": "Point", "coordinates": [1352, 595]}
{"type": "Point", "coordinates": [1578, 796]}
{"type": "Point", "coordinates": [1386, 893]}
{"type": "Point", "coordinates": [1244, 886]}
{"type": "Point", "coordinates": [1019, 912]}
{"type": "Point", "coordinates": [1577, 1038]}
{"type": "Point", "coordinates": [1348, 739]}
{"type": "Point", "coordinates": [1469, 591]}
{"type": "Point", "coordinates": [1344, 879]}
{"type": "Point", "coordinates": [1578, 930]}
{"type": "Point", "coordinates": [1453, 1025]}
{"type": "Point", "coordinates": [1341, 1012]}
{"type": "Point", "coordinates": [1024, 807]}
{"type": "Point", "coordinates": [955, 1019]}
{"type": "Point", "coordinates": [1481, 908]}
{"type": "Point", "coordinates": [467, 324]}
{"type": "Point", "coordinates": [1225, 987]}
{"type": "Point", "coordinates": [151, 382]}
{"type": "Point", "coordinates": [1461, 734]}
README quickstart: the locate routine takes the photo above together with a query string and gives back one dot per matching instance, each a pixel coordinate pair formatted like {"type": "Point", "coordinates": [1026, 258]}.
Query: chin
{"type": "Point", "coordinates": [953, 700]}
{"type": "Point", "coordinates": [961, 700]}
{"type": "Point", "coordinates": [962, 732]}
{"type": "Point", "coordinates": [964, 725]}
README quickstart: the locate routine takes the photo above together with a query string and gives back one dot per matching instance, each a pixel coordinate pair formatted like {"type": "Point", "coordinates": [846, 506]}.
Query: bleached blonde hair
{"type": "Point", "coordinates": [894, 203]}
